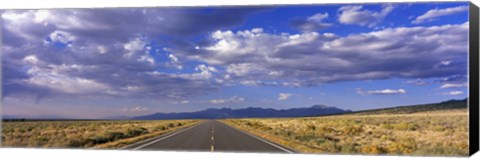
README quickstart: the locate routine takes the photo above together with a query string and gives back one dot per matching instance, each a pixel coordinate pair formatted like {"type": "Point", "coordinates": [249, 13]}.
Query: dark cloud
{"type": "Point", "coordinates": [115, 53]}
{"type": "Point", "coordinates": [106, 52]}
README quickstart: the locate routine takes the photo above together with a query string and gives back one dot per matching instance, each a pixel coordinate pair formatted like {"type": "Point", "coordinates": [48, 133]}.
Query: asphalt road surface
{"type": "Point", "coordinates": [210, 136]}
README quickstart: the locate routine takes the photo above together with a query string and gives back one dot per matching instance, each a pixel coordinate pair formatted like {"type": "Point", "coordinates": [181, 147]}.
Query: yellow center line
{"type": "Point", "coordinates": [212, 148]}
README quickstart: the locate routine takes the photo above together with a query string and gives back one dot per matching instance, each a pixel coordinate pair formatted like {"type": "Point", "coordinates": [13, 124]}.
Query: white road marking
{"type": "Point", "coordinates": [160, 139]}
{"type": "Point", "coordinates": [263, 140]}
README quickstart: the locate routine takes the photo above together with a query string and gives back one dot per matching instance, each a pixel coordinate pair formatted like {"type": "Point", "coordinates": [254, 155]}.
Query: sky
{"type": "Point", "coordinates": [103, 62]}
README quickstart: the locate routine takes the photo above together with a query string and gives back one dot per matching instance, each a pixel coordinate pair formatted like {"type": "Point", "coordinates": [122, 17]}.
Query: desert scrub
{"type": "Point", "coordinates": [83, 134]}
{"type": "Point", "coordinates": [424, 134]}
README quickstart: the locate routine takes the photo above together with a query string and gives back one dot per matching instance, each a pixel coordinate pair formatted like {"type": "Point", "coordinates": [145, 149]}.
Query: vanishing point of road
{"type": "Point", "coordinates": [209, 135]}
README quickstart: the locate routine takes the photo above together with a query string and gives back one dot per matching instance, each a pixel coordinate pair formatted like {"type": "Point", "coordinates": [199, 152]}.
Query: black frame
{"type": "Point", "coordinates": [473, 101]}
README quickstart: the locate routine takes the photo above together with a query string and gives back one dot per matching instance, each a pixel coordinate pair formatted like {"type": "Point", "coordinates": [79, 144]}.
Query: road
{"type": "Point", "coordinates": [209, 135]}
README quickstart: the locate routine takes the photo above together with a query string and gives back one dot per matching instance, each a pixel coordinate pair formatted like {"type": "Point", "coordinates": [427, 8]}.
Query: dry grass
{"type": "Point", "coordinates": [426, 133]}
{"type": "Point", "coordinates": [85, 134]}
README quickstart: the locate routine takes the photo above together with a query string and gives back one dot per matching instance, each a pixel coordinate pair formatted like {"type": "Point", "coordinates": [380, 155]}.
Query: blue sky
{"type": "Point", "coordinates": [94, 63]}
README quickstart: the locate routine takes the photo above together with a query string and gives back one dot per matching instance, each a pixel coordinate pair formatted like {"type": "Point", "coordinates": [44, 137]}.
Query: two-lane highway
{"type": "Point", "coordinates": [210, 136]}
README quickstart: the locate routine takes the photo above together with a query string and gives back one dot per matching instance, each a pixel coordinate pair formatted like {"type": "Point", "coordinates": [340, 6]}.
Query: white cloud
{"type": "Point", "coordinates": [249, 82]}
{"type": "Point", "coordinates": [32, 59]}
{"type": "Point", "coordinates": [41, 16]}
{"type": "Point", "coordinates": [217, 101]}
{"type": "Point", "coordinates": [205, 71]}
{"type": "Point", "coordinates": [358, 16]}
{"type": "Point", "coordinates": [134, 46]}
{"type": "Point", "coordinates": [417, 82]}
{"type": "Point", "coordinates": [57, 80]}
{"type": "Point", "coordinates": [247, 57]}
{"type": "Point", "coordinates": [319, 17]}
{"type": "Point", "coordinates": [61, 37]}
{"type": "Point", "coordinates": [434, 14]}
{"type": "Point", "coordinates": [174, 62]}
{"type": "Point", "coordinates": [312, 23]}
{"type": "Point", "coordinates": [284, 96]}
{"type": "Point", "coordinates": [453, 85]}
{"type": "Point", "coordinates": [446, 63]}
{"type": "Point", "coordinates": [382, 92]}
{"type": "Point", "coordinates": [109, 54]}
{"type": "Point", "coordinates": [454, 93]}
{"type": "Point", "coordinates": [234, 99]}
{"type": "Point", "coordinates": [134, 109]}
{"type": "Point", "coordinates": [146, 58]}
{"type": "Point", "coordinates": [173, 58]}
{"type": "Point", "coordinates": [311, 58]}
{"type": "Point", "coordinates": [102, 49]}
{"type": "Point", "coordinates": [244, 69]}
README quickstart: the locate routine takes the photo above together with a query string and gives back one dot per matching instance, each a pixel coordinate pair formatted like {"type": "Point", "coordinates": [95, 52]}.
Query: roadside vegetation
{"type": "Point", "coordinates": [433, 133]}
{"type": "Point", "coordinates": [85, 134]}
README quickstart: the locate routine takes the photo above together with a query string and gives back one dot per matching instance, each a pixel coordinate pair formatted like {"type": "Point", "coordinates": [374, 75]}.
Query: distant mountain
{"type": "Point", "coordinates": [251, 112]}
{"type": "Point", "coordinates": [446, 105]}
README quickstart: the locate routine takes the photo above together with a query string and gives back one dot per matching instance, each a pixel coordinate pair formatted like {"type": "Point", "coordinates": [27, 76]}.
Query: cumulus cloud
{"type": "Point", "coordinates": [312, 23]}
{"type": "Point", "coordinates": [382, 92]}
{"type": "Point", "coordinates": [356, 15]}
{"type": "Point", "coordinates": [434, 14]}
{"type": "Point", "coordinates": [284, 96]}
{"type": "Point", "coordinates": [92, 52]}
{"type": "Point", "coordinates": [83, 52]}
{"type": "Point", "coordinates": [253, 57]}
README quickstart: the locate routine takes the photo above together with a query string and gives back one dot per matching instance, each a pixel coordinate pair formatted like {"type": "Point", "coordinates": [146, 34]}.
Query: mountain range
{"type": "Point", "coordinates": [256, 112]}
{"type": "Point", "coordinates": [251, 112]}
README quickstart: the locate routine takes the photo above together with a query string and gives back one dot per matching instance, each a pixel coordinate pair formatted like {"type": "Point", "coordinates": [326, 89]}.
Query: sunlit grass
{"type": "Point", "coordinates": [442, 132]}
{"type": "Point", "coordinates": [85, 134]}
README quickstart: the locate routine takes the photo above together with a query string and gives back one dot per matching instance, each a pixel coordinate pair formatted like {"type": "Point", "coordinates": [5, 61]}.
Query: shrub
{"type": "Point", "coordinates": [438, 128]}
{"type": "Point", "coordinates": [330, 146]}
{"type": "Point", "coordinates": [160, 128]}
{"type": "Point", "coordinates": [312, 127]}
{"type": "Point", "coordinates": [97, 140]}
{"type": "Point", "coordinates": [352, 130]}
{"type": "Point", "coordinates": [304, 138]}
{"type": "Point", "coordinates": [136, 132]}
{"type": "Point", "coordinates": [373, 149]}
{"type": "Point", "coordinates": [348, 148]}
{"type": "Point", "coordinates": [112, 136]}
{"type": "Point", "coordinates": [387, 126]}
{"type": "Point", "coordinates": [75, 142]}
{"type": "Point", "coordinates": [406, 127]}
{"type": "Point", "coordinates": [403, 146]}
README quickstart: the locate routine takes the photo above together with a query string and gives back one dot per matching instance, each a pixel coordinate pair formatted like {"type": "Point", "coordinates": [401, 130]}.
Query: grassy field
{"type": "Point", "coordinates": [440, 132]}
{"type": "Point", "coordinates": [85, 134]}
